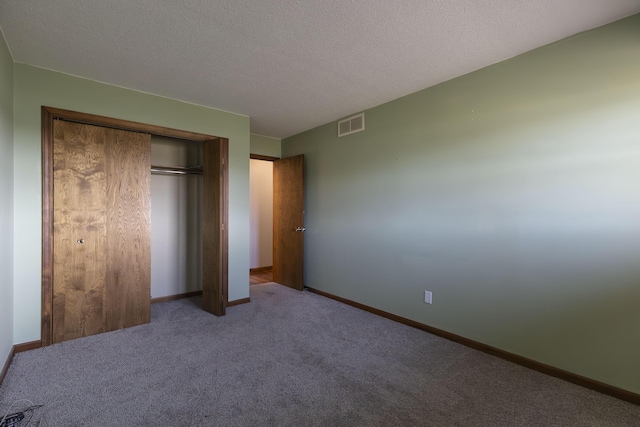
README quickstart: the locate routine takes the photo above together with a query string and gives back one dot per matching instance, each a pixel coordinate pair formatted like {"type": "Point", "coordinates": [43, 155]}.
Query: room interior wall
{"type": "Point", "coordinates": [6, 200]}
{"type": "Point", "coordinates": [176, 219]}
{"type": "Point", "coordinates": [265, 145]}
{"type": "Point", "coordinates": [511, 193]}
{"type": "Point", "coordinates": [35, 87]}
{"type": "Point", "coordinates": [261, 222]}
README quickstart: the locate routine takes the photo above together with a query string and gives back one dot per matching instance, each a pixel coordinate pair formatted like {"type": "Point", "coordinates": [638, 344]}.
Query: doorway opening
{"type": "Point", "coordinates": [261, 219]}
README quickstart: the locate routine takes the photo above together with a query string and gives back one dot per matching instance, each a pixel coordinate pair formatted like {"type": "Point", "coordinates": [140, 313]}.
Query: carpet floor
{"type": "Point", "coordinates": [289, 358]}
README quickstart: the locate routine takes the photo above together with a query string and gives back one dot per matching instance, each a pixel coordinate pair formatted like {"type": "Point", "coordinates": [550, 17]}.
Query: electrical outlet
{"type": "Point", "coordinates": [427, 297]}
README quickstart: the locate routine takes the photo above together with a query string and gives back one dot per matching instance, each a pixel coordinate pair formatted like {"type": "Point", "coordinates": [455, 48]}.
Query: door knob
{"type": "Point", "coordinates": [80, 241]}
{"type": "Point", "coordinates": [301, 229]}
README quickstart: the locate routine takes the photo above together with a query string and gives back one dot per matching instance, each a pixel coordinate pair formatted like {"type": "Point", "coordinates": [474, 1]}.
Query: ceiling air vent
{"type": "Point", "coordinates": [351, 125]}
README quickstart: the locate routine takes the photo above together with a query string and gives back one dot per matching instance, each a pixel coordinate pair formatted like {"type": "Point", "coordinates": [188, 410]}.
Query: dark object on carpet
{"type": "Point", "coordinates": [291, 358]}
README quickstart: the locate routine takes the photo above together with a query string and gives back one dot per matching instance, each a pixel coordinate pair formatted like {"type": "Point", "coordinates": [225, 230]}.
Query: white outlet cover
{"type": "Point", "coordinates": [427, 297]}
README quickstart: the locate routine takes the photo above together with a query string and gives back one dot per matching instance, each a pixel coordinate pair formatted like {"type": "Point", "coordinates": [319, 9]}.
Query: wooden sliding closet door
{"type": "Point", "coordinates": [214, 227]}
{"type": "Point", "coordinates": [101, 229]}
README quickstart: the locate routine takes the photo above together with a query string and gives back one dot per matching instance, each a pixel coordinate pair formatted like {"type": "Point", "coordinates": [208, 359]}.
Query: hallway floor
{"type": "Point", "coordinates": [262, 275]}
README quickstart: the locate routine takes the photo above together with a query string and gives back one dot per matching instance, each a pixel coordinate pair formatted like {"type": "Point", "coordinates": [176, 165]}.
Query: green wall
{"type": "Point", "coordinates": [265, 145]}
{"type": "Point", "coordinates": [6, 200]}
{"type": "Point", "coordinates": [35, 87]}
{"type": "Point", "coordinates": [512, 193]}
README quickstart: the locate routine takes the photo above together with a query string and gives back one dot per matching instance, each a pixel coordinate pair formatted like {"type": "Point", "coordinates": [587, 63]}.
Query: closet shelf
{"type": "Point", "coordinates": [176, 170]}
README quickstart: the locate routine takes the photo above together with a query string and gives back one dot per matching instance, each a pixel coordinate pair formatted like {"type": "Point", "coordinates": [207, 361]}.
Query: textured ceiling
{"type": "Point", "coordinates": [289, 64]}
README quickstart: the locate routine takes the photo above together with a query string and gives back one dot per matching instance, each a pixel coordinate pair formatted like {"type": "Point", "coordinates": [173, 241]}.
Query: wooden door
{"type": "Point", "coordinates": [101, 229]}
{"type": "Point", "coordinates": [288, 222]}
{"type": "Point", "coordinates": [214, 230]}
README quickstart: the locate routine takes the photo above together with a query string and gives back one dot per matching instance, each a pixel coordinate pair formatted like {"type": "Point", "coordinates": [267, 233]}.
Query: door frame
{"type": "Point", "coordinates": [219, 288]}
{"type": "Point", "coordinates": [261, 157]}
{"type": "Point", "coordinates": [272, 159]}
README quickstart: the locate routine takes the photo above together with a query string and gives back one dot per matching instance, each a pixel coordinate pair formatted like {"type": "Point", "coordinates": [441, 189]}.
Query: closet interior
{"type": "Point", "coordinates": [176, 216]}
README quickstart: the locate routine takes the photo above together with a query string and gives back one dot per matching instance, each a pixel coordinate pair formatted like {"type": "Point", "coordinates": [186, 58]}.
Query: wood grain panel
{"type": "Point", "coordinates": [261, 157]}
{"type": "Point", "coordinates": [212, 290]}
{"type": "Point", "coordinates": [27, 346]}
{"type": "Point", "coordinates": [47, 228]}
{"type": "Point", "coordinates": [288, 214]}
{"type": "Point", "coordinates": [128, 279]}
{"type": "Point", "coordinates": [224, 219]}
{"type": "Point", "coordinates": [79, 213]}
{"type": "Point", "coordinates": [101, 187]}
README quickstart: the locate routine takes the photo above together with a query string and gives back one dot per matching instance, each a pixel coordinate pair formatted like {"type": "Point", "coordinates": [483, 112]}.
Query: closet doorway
{"type": "Point", "coordinates": [96, 222]}
{"type": "Point", "coordinates": [288, 220]}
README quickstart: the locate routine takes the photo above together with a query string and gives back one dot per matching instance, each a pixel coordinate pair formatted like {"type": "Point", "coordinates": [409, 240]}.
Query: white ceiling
{"type": "Point", "coordinates": [290, 65]}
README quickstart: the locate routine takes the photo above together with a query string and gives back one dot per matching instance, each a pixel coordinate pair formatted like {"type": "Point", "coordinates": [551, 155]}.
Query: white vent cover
{"type": "Point", "coordinates": [351, 125]}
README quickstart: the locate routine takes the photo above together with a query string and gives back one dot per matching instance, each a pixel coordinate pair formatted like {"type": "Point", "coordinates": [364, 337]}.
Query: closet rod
{"type": "Point", "coordinates": [176, 170]}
